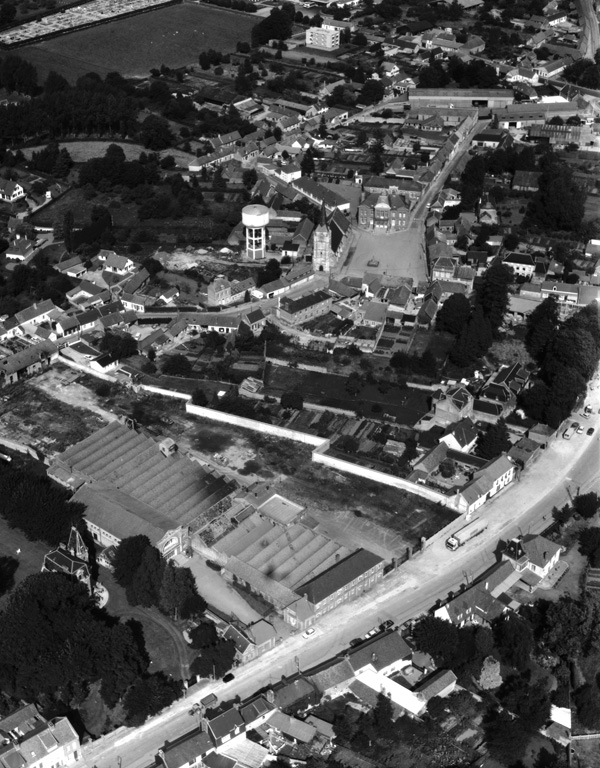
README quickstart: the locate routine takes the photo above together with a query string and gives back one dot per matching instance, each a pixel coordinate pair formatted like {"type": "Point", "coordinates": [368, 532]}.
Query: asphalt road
{"type": "Point", "coordinates": [590, 35]}
{"type": "Point", "coordinates": [563, 470]}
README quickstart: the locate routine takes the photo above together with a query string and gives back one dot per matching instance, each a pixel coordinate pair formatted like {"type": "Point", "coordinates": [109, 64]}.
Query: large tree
{"type": "Point", "coordinates": [494, 442]}
{"type": "Point", "coordinates": [493, 294]}
{"type": "Point", "coordinates": [454, 314]}
{"type": "Point", "coordinates": [148, 696]}
{"type": "Point", "coordinates": [542, 324]}
{"type": "Point", "coordinates": [559, 203]}
{"type": "Point", "coordinates": [55, 642]}
{"type": "Point", "coordinates": [514, 640]}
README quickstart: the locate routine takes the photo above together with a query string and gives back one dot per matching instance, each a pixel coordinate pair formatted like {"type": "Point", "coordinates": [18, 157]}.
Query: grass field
{"type": "Point", "coordinates": [172, 36]}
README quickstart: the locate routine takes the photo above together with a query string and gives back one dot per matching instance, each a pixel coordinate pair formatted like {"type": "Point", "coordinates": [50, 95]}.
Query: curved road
{"type": "Point", "coordinates": [181, 647]}
{"type": "Point", "coordinates": [565, 468]}
{"type": "Point", "coordinates": [590, 34]}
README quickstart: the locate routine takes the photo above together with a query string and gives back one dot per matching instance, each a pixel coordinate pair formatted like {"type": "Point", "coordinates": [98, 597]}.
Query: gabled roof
{"type": "Point", "coordinates": [226, 723]}
{"type": "Point", "coordinates": [539, 550]}
{"type": "Point", "coordinates": [380, 651]}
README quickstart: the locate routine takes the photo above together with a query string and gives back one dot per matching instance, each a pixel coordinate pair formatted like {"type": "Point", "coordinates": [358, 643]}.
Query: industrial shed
{"type": "Point", "coordinates": [132, 484]}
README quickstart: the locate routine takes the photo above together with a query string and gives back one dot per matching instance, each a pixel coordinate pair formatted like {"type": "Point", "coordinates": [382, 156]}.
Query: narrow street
{"type": "Point", "coordinates": [590, 34]}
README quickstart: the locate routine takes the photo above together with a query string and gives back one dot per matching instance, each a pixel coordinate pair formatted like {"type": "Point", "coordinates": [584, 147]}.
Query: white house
{"type": "Point", "coordinates": [522, 264]}
{"type": "Point", "coordinates": [533, 557]}
{"type": "Point", "coordinates": [33, 742]}
{"type": "Point", "coordinates": [486, 482]}
{"type": "Point", "coordinates": [10, 191]}
{"type": "Point", "coordinates": [112, 262]}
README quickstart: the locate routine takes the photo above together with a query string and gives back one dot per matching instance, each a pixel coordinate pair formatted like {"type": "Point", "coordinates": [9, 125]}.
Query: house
{"type": "Point", "coordinates": [533, 557]}
{"type": "Point", "coordinates": [475, 605]}
{"type": "Point", "coordinates": [20, 249]}
{"type": "Point", "coordinates": [62, 561]}
{"type": "Point", "coordinates": [72, 267]}
{"type": "Point", "coordinates": [112, 262]}
{"type": "Point", "coordinates": [524, 452]}
{"type": "Point", "coordinates": [522, 264]}
{"type": "Point", "coordinates": [296, 311]}
{"type": "Point", "coordinates": [505, 383]}
{"type": "Point", "coordinates": [31, 741]}
{"type": "Point", "coordinates": [487, 482]}
{"type": "Point", "coordinates": [452, 406]}
{"type": "Point", "coordinates": [27, 362]}
{"type": "Point", "coordinates": [526, 181]}
{"type": "Point", "coordinates": [226, 726]}
{"type": "Point", "coordinates": [10, 191]}
{"type": "Point", "coordinates": [461, 436]}
{"type": "Point", "coordinates": [554, 19]}
{"type": "Point", "coordinates": [386, 653]}
{"type": "Point", "coordinates": [490, 139]}
{"type": "Point", "coordinates": [566, 294]}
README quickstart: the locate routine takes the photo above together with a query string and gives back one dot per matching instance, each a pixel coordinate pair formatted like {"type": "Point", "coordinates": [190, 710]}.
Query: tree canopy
{"type": "Point", "coordinates": [151, 581]}
{"type": "Point", "coordinates": [55, 642]}
{"type": "Point", "coordinates": [37, 506]}
{"type": "Point", "coordinates": [559, 202]}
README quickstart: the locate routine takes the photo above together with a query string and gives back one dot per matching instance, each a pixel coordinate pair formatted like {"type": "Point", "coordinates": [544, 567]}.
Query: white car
{"type": "Point", "coordinates": [309, 632]}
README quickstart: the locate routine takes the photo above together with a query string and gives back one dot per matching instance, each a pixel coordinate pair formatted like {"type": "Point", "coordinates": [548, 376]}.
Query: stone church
{"type": "Point", "coordinates": [331, 240]}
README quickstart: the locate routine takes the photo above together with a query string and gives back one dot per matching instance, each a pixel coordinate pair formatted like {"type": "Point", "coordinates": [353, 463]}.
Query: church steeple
{"type": "Point", "coordinates": [323, 217]}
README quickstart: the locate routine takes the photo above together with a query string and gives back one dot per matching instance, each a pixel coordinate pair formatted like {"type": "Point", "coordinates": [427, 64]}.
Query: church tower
{"type": "Point", "coordinates": [323, 257]}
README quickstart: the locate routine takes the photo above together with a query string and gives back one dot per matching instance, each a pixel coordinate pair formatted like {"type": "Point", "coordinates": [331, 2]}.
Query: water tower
{"type": "Point", "coordinates": [255, 219]}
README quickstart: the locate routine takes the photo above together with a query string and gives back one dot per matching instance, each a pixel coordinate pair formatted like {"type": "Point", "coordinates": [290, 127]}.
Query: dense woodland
{"type": "Point", "coordinates": [55, 643]}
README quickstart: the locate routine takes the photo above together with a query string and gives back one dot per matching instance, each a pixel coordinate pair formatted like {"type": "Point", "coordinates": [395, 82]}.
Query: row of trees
{"type": "Point", "coordinates": [567, 353]}
{"type": "Point", "coordinates": [149, 580]}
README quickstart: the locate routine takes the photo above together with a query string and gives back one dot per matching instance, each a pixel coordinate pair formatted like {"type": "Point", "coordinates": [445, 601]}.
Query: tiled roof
{"type": "Point", "coordinates": [339, 576]}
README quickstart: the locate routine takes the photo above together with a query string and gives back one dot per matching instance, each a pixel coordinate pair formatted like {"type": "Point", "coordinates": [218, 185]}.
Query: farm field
{"type": "Point", "coordinates": [171, 36]}
{"type": "Point", "coordinates": [81, 151]}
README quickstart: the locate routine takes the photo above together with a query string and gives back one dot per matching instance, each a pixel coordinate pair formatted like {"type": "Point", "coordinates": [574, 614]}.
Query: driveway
{"type": "Point", "coordinates": [216, 591]}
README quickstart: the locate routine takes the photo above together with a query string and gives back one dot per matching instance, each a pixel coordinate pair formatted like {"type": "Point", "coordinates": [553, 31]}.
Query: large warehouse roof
{"type": "Point", "coordinates": [178, 490]}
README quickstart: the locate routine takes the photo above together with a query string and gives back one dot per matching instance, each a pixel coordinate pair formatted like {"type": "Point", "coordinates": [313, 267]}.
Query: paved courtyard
{"type": "Point", "coordinates": [398, 253]}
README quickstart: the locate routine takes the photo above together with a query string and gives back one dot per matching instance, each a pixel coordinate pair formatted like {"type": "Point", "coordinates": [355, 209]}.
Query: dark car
{"type": "Point", "coordinates": [386, 625]}
{"type": "Point", "coordinates": [590, 431]}
{"type": "Point", "coordinates": [228, 677]}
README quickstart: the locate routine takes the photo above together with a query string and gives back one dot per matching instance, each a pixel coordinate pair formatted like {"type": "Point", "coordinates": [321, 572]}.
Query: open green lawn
{"type": "Point", "coordinates": [172, 36]}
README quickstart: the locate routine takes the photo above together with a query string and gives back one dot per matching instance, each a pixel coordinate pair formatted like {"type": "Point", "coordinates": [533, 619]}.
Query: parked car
{"type": "Point", "coordinates": [371, 632]}
{"type": "Point", "coordinates": [228, 678]}
{"type": "Point", "coordinates": [579, 429]}
{"type": "Point", "coordinates": [386, 625]}
{"type": "Point", "coordinates": [310, 631]}
{"type": "Point", "coordinates": [590, 431]}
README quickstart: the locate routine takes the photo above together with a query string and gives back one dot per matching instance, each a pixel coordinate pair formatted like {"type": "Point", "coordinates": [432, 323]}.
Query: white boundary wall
{"type": "Point", "coordinates": [256, 426]}
{"type": "Point", "coordinates": [379, 477]}
{"type": "Point", "coordinates": [318, 455]}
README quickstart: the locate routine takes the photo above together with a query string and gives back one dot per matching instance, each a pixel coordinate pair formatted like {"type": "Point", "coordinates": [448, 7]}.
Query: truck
{"type": "Point", "coordinates": [570, 431]}
{"type": "Point", "coordinates": [467, 533]}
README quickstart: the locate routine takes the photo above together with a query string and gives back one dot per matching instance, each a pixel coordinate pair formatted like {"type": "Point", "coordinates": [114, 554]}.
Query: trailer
{"type": "Point", "coordinates": [467, 533]}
